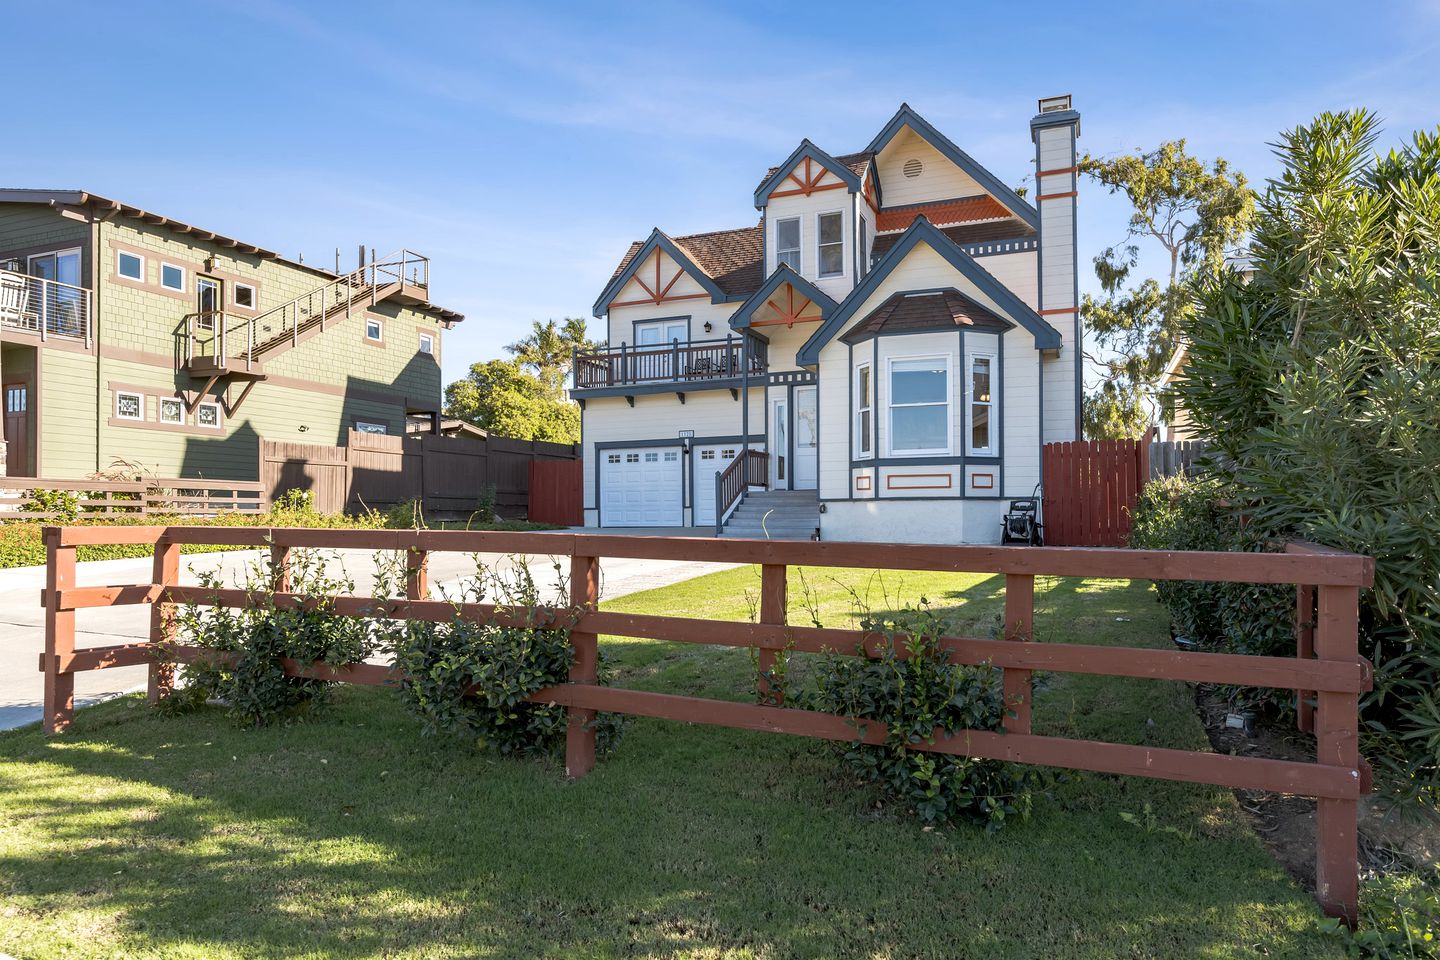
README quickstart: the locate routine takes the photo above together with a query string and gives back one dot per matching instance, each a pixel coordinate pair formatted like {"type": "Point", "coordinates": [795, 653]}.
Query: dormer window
{"type": "Point", "coordinates": [787, 243]}
{"type": "Point", "coordinates": [831, 246]}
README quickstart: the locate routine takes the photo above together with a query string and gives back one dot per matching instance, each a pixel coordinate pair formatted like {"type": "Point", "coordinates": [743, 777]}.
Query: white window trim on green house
{"type": "Point", "coordinates": [121, 257]}
{"type": "Point", "coordinates": [368, 426]}
{"type": "Point", "coordinates": [121, 396]}
{"type": "Point", "coordinates": [176, 406]}
{"type": "Point", "coordinates": [169, 270]}
{"type": "Point", "coordinates": [250, 288]}
{"type": "Point", "coordinates": [427, 344]}
{"type": "Point", "coordinates": [208, 406]}
{"type": "Point", "coordinates": [379, 335]}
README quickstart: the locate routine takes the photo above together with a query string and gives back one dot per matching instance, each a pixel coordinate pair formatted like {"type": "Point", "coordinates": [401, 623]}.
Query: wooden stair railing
{"type": "Point", "coordinates": [750, 469]}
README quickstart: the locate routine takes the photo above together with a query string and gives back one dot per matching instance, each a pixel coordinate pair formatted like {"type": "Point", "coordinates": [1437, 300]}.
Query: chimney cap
{"type": "Point", "coordinates": [1054, 104]}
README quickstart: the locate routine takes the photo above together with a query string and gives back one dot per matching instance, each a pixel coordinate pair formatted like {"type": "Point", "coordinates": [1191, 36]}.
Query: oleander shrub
{"type": "Point", "coordinates": [910, 685]}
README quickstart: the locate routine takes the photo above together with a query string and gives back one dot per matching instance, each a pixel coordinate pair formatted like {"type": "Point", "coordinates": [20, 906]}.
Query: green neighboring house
{"type": "Point", "coordinates": [128, 336]}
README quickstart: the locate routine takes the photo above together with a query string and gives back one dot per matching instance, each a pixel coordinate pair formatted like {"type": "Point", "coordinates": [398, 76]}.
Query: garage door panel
{"type": "Point", "coordinates": [641, 487]}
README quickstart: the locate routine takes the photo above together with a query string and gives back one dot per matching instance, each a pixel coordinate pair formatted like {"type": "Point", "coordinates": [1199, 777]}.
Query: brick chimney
{"type": "Point", "coordinates": [1054, 129]}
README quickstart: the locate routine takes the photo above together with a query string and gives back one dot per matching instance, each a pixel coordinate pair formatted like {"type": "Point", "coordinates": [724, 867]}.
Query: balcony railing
{"type": "Point", "coordinates": [45, 307]}
{"type": "Point", "coordinates": [699, 360]}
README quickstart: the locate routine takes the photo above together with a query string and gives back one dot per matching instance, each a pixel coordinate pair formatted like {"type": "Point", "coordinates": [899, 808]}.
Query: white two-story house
{"type": "Point", "coordinates": [880, 358]}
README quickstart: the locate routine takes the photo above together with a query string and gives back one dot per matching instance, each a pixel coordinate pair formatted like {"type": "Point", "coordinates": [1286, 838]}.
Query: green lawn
{"type": "Point", "coordinates": [349, 835]}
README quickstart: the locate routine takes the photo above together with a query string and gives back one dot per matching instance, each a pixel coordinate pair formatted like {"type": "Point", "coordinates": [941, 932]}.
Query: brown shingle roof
{"type": "Point", "coordinates": [925, 311]}
{"type": "Point", "coordinates": [731, 258]}
{"type": "Point", "coordinates": [964, 233]}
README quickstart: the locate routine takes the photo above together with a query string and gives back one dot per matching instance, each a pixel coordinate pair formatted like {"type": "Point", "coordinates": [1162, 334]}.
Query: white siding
{"type": "Point", "coordinates": [1059, 263]}
{"type": "Point", "coordinates": [834, 396]}
{"type": "Point", "coordinates": [916, 521]}
{"type": "Point", "coordinates": [939, 179]}
{"type": "Point", "coordinates": [808, 209]}
{"type": "Point", "coordinates": [1017, 271]}
{"type": "Point", "coordinates": [1020, 412]}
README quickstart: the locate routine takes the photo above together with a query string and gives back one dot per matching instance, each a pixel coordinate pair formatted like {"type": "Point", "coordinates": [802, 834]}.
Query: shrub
{"type": "Point", "coordinates": [470, 678]}
{"type": "Point", "coordinates": [407, 515]}
{"type": "Point", "coordinates": [911, 686]}
{"type": "Point", "coordinates": [254, 685]}
{"type": "Point", "coordinates": [63, 504]}
{"type": "Point", "coordinates": [1399, 918]}
{"type": "Point", "coordinates": [294, 501]}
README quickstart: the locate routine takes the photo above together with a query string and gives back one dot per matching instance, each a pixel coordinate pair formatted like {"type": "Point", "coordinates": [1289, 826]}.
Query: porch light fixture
{"type": "Point", "coordinates": [709, 326]}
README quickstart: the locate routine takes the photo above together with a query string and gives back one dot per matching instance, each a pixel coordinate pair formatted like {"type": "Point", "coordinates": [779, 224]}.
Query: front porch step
{"type": "Point", "coordinates": [775, 515]}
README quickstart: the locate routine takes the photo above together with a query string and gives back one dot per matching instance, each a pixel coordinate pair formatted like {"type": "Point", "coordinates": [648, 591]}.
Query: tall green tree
{"type": "Point", "coordinates": [1318, 381]}
{"type": "Point", "coordinates": [524, 397]}
{"type": "Point", "coordinates": [1190, 211]}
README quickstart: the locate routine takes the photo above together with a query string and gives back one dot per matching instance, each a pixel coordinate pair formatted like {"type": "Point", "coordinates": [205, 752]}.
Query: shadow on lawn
{"type": "Point", "coordinates": [350, 835]}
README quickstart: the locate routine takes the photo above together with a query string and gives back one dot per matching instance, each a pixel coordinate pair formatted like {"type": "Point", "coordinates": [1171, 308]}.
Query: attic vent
{"type": "Point", "coordinates": [913, 168]}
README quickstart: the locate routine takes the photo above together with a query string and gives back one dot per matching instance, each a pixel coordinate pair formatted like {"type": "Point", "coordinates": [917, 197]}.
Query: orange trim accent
{"type": "Point", "coordinates": [989, 483]}
{"type": "Point", "coordinates": [1057, 170]}
{"type": "Point", "coordinates": [1046, 313]}
{"type": "Point", "coordinates": [892, 477]}
{"type": "Point", "coordinates": [658, 294]}
{"type": "Point", "coordinates": [862, 482]}
{"type": "Point", "coordinates": [1055, 196]}
{"type": "Point", "coordinates": [813, 189]}
{"type": "Point", "coordinates": [810, 184]}
{"type": "Point", "coordinates": [789, 317]}
{"type": "Point", "coordinates": [633, 303]}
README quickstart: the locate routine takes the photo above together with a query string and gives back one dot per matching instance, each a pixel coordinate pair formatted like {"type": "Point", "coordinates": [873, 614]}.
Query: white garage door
{"type": "Point", "coordinates": [708, 462]}
{"type": "Point", "coordinates": [641, 487]}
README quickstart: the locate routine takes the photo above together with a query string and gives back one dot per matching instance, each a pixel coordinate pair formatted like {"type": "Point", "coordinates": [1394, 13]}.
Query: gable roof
{"type": "Point", "coordinates": [927, 310]}
{"type": "Point", "coordinates": [724, 262]}
{"type": "Point", "coordinates": [783, 274]}
{"type": "Point", "coordinates": [848, 171]}
{"type": "Point", "coordinates": [81, 198]}
{"type": "Point", "coordinates": [907, 117]}
{"type": "Point", "coordinates": [923, 231]}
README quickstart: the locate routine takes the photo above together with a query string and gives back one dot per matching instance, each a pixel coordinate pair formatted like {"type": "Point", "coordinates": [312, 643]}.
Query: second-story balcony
{"type": "Point", "coordinates": [46, 308]}
{"type": "Point", "coordinates": [697, 363]}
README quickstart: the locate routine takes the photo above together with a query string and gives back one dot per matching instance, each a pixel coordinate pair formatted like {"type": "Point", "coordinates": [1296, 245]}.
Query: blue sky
{"type": "Point", "coordinates": [522, 147]}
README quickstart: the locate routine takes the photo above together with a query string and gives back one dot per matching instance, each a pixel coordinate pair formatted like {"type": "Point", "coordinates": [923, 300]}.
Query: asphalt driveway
{"type": "Point", "coordinates": [22, 618]}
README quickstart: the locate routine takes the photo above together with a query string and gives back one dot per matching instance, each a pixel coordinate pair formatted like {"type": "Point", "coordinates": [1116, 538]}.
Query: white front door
{"type": "Point", "coordinates": [707, 462]}
{"type": "Point", "coordinates": [642, 487]}
{"type": "Point", "coordinates": [779, 445]}
{"type": "Point", "coordinates": [807, 440]}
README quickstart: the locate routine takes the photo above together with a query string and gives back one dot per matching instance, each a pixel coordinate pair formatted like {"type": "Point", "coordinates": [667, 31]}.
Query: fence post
{"type": "Point", "coordinates": [1305, 650]}
{"type": "Point", "coordinates": [166, 573]}
{"type": "Point", "coordinates": [773, 600]}
{"type": "Point", "coordinates": [279, 569]}
{"type": "Point", "coordinates": [1020, 627]}
{"type": "Point", "coordinates": [59, 633]}
{"type": "Point", "coordinates": [417, 574]}
{"type": "Point", "coordinates": [1337, 744]}
{"type": "Point", "coordinates": [580, 728]}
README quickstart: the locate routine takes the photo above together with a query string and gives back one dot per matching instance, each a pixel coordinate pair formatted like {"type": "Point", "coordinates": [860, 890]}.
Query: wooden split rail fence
{"type": "Point", "coordinates": [1327, 673]}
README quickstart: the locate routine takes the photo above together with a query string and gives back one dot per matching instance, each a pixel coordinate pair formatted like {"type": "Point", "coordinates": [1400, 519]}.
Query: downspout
{"type": "Point", "coordinates": [95, 311]}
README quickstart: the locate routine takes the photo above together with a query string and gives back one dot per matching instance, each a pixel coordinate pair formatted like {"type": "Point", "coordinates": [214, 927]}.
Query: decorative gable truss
{"type": "Point", "coordinates": [807, 171]}
{"type": "Point", "coordinates": [660, 272]}
{"type": "Point", "coordinates": [785, 300]}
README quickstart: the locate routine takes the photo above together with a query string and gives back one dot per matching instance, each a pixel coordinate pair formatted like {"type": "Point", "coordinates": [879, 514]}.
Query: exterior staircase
{"type": "Point", "coordinates": [220, 344]}
{"type": "Point", "coordinates": [775, 515]}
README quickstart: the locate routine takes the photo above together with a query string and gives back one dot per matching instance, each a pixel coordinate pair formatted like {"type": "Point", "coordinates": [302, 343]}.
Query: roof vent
{"type": "Point", "coordinates": [1055, 104]}
{"type": "Point", "coordinates": [913, 168]}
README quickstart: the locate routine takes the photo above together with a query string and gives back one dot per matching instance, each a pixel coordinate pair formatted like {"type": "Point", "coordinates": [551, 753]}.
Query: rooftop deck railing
{"type": "Point", "coordinates": [698, 360]}
{"type": "Point", "coordinates": [44, 307]}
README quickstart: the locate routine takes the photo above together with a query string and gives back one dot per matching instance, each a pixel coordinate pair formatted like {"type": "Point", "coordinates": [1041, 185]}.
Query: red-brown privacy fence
{"type": "Point", "coordinates": [1090, 490]}
{"type": "Point", "coordinates": [1327, 672]}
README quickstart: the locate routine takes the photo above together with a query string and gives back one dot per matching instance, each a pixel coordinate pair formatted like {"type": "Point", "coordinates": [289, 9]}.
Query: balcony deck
{"type": "Point", "coordinates": [43, 307]}
{"type": "Point", "coordinates": [699, 363]}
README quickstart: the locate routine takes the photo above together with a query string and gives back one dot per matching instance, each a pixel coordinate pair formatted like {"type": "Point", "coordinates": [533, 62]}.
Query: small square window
{"type": "Point", "coordinates": [131, 266]}
{"type": "Point", "coordinates": [172, 277]}
{"type": "Point", "coordinates": [208, 415]}
{"type": "Point", "coordinates": [652, 458]}
{"type": "Point", "coordinates": [632, 458]}
{"type": "Point", "coordinates": [707, 454]}
{"type": "Point", "coordinates": [129, 406]}
{"type": "Point", "coordinates": [671, 456]}
{"type": "Point", "coordinates": [427, 344]}
{"type": "Point", "coordinates": [612, 458]}
{"type": "Point", "coordinates": [373, 330]}
{"type": "Point", "coordinates": [728, 454]}
{"type": "Point", "coordinates": [172, 410]}
{"type": "Point", "coordinates": [245, 296]}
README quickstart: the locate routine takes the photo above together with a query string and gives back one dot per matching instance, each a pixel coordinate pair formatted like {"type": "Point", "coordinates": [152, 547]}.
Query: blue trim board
{"type": "Point", "coordinates": [659, 240]}
{"type": "Point", "coordinates": [1060, 118]}
{"type": "Point", "coordinates": [922, 230]}
{"type": "Point", "coordinates": [783, 274]}
{"type": "Point", "coordinates": [907, 117]}
{"type": "Point", "coordinates": [806, 149]}
{"type": "Point", "coordinates": [665, 386]}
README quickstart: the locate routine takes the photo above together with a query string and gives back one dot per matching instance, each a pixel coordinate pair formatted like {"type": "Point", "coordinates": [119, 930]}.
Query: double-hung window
{"type": "Point", "coordinates": [830, 237]}
{"type": "Point", "coordinates": [981, 438]}
{"type": "Point", "coordinates": [919, 402]}
{"type": "Point", "coordinates": [864, 411]}
{"type": "Point", "coordinates": [787, 243]}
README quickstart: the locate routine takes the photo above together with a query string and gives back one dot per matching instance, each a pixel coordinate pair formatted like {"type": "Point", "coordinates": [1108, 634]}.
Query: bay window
{"type": "Point", "coordinates": [864, 411]}
{"type": "Point", "coordinates": [919, 406]}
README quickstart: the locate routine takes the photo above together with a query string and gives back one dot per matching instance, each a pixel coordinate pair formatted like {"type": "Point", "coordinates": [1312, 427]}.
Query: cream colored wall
{"type": "Point", "coordinates": [913, 521]}
{"type": "Point", "coordinates": [939, 180]}
{"type": "Point", "coordinates": [1017, 272]}
{"type": "Point", "coordinates": [1059, 264]}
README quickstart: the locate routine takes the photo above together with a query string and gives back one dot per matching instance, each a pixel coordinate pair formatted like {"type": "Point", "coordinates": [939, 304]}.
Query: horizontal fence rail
{"type": "Point", "coordinates": [143, 498]}
{"type": "Point", "coordinates": [1328, 671]}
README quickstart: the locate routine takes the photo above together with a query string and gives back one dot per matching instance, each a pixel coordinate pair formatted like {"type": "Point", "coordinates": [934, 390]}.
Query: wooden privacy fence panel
{"type": "Point", "coordinates": [557, 492]}
{"type": "Point", "coordinates": [1090, 489]}
{"type": "Point", "coordinates": [1327, 670]}
{"type": "Point", "coordinates": [1171, 458]}
{"type": "Point", "coordinates": [173, 497]}
{"type": "Point", "coordinates": [376, 471]}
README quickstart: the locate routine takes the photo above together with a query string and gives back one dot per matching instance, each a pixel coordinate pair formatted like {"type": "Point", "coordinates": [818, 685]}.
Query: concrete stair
{"type": "Point", "coordinates": [775, 515]}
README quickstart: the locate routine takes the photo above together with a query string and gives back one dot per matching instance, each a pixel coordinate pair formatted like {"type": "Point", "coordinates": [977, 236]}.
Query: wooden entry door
{"type": "Point", "coordinates": [17, 429]}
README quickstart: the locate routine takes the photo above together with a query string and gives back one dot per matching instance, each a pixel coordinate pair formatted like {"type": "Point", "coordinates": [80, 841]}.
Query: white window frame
{"type": "Point", "coordinates": [173, 266]}
{"type": "Point", "coordinates": [122, 274]}
{"type": "Point", "coordinates": [864, 408]}
{"type": "Point", "coordinates": [140, 402]}
{"type": "Point", "coordinates": [379, 330]}
{"type": "Point", "coordinates": [219, 415]}
{"type": "Point", "coordinates": [372, 426]}
{"type": "Point", "coordinates": [235, 288]}
{"type": "Point", "coordinates": [820, 244]}
{"type": "Point", "coordinates": [799, 247]}
{"type": "Point", "coordinates": [949, 402]}
{"type": "Point", "coordinates": [992, 405]}
{"type": "Point", "coordinates": [160, 410]}
{"type": "Point", "coordinates": [427, 343]}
